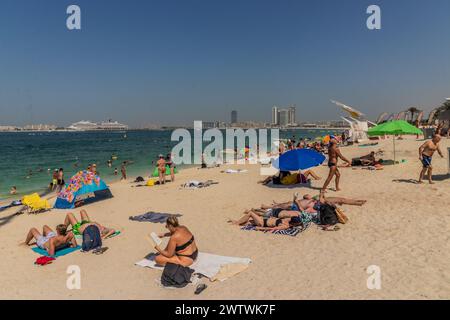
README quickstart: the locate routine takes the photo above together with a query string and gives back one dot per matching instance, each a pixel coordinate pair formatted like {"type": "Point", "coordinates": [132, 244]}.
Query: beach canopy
{"type": "Point", "coordinates": [298, 159]}
{"type": "Point", "coordinates": [81, 186]}
{"type": "Point", "coordinates": [397, 127]}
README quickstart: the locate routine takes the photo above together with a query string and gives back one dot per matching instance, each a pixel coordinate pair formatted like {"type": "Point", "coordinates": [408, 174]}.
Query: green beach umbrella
{"type": "Point", "coordinates": [392, 128]}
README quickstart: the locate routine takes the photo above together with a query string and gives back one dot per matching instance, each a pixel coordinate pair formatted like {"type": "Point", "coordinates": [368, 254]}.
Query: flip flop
{"type": "Point", "coordinates": [200, 288]}
{"type": "Point", "coordinates": [99, 250]}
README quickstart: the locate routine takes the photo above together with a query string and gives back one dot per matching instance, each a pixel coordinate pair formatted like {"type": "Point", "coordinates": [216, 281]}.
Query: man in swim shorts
{"type": "Point", "coordinates": [79, 227]}
{"type": "Point", "coordinates": [426, 152]}
{"type": "Point", "coordinates": [50, 240]}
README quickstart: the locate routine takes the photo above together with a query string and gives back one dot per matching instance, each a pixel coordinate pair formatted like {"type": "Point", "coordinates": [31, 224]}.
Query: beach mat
{"type": "Point", "coordinates": [155, 217]}
{"type": "Point", "coordinates": [288, 232]}
{"type": "Point", "coordinates": [58, 253]}
{"type": "Point", "coordinates": [209, 265]}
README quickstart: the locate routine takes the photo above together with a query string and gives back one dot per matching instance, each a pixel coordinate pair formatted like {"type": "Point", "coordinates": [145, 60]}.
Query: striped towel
{"type": "Point", "coordinates": [288, 232]}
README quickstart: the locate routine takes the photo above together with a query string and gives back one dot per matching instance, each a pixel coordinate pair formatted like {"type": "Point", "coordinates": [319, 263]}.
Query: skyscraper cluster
{"type": "Point", "coordinates": [283, 117]}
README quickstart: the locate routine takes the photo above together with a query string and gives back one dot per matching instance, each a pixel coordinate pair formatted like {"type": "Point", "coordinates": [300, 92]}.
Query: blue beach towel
{"type": "Point", "coordinates": [58, 253]}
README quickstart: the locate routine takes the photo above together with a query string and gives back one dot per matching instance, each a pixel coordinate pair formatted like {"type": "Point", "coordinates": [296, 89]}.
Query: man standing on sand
{"type": "Point", "coordinates": [161, 163]}
{"type": "Point", "coordinates": [426, 152]}
{"type": "Point", "coordinates": [333, 155]}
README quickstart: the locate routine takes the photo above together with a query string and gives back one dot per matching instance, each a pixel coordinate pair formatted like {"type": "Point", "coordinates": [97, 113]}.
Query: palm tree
{"type": "Point", "coordinates": [413, 111]}
{"type": "Point", "coordinates": [444, 107]}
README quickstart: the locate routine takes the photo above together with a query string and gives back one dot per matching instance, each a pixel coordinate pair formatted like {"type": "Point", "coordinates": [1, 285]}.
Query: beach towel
{"type": "Point", "coordinates": [12, 204]}
{"type": "Point", "coordinates": [208, 265]}
{"type": "Point", "coordinates": [235, 171]}
{"type": "Point", "coordinates": [195, 184]}
{"type": "Point", "coordinates": [287, 232]}
{"type": "Point", "coordinates": [58, 253]}
{"type": "Point", "coordinates": [154, 217]}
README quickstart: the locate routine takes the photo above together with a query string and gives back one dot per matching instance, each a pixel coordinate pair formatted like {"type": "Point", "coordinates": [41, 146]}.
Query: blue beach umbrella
{"type": "Point", "coordinates": [298, 159]}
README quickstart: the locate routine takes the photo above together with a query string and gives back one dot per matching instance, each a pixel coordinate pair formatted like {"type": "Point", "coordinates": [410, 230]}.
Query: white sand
{"type": "Point", "coordinates": [404, 229]}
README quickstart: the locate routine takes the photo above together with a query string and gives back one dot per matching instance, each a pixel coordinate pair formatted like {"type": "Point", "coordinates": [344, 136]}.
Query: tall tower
{"type": "Point", "coordinates": [234, 116]}
{"type": "Point", "coordinates": [275, 116]}
{"type": "Point", "coordinates": [292, 119]}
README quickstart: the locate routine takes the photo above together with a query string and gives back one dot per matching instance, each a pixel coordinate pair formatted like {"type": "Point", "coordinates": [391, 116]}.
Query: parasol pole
{"type": "Point", "coordinates": [393, 139]}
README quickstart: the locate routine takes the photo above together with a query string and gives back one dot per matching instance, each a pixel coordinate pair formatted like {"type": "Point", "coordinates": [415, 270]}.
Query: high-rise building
{"type": "Point", "coordinates": [234, 116]}
{"type": "Point", "coordinates": [275, 118]}
{"type": "Point", "coordinates": [283, 115]}
{"type": "Point", "coordinates": [291, 111]}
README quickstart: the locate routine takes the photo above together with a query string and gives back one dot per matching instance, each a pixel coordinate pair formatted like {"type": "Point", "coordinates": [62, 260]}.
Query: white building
{"type": "Point", "coordinates": [283, 117]}
{"type": "Point", "coordinates": [275, 118]}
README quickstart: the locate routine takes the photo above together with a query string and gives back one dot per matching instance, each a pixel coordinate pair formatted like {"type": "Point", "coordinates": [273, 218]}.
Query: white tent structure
{"type": "Point", "coordinates": [358, 124]}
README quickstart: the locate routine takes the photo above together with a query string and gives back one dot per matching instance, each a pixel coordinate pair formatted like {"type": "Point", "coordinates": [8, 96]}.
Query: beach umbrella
{"type": "Point", "coordinates": [393, 128]}
{"type": "Point", "coordinates": [298, 159]}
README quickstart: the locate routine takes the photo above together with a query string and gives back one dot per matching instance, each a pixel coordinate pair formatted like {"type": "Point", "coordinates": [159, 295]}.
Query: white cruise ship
{"type": "Point", "coordinates": [93, 126]}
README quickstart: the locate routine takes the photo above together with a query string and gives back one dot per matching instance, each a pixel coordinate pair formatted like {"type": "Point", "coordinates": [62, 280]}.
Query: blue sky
{"type": "Point", "coordinates": [172, 62]}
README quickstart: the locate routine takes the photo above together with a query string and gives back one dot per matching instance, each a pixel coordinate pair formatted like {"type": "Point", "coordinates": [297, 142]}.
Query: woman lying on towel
{"type": "Point", "coordinates": [268, 224]}
{"type": "Point", "coordinates": [181, 248]}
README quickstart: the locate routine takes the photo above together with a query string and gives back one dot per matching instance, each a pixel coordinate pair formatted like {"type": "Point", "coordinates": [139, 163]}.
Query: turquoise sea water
{"type": "Point", "coordinates": [41, 153]}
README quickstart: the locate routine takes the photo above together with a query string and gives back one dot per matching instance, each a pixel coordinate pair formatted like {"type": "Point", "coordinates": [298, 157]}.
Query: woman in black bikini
{"type": "Point", "coordinates": [181, 248]}
{"type": "Point", "coordinates": [265, 224]}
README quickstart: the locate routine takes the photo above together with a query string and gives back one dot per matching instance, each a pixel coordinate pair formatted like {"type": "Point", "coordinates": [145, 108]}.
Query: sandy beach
{"type": "Point", "coordinates": [403, 229]}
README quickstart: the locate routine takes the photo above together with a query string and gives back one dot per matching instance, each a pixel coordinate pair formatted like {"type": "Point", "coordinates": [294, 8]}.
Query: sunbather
{"type": "Point", "coordinates": [267, 224]}
{"type": "Point", "coordinates": [313, 205]}
{"type": "Point", "coordinates": [79, 227]}
{"type": "Point", "coordinates": [181, 248]}
{"type": "Point", "coordinates": [274, 211]}
{"type": "Point", "coordinates": [287, 178]}
{"type": "Point", "coordinates": [310, 204]}
{"type": "Point", "coordinates": [50, 240]}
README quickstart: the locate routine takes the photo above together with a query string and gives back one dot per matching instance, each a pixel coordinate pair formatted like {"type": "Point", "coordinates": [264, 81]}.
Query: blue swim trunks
{"type": "Point", "coordinates": [426, 161]}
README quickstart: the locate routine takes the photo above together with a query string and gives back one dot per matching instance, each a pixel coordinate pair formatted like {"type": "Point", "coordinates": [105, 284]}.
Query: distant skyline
{"type": "Point", "coordinates": [173, 62]}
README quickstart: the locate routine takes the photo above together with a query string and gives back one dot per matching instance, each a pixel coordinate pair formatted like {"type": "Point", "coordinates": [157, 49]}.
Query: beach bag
{"type": "Point", "coordinates": [150, 183]}
{"type": "Point", "coordinates": [341, 216]}
{"type": "Point", "coordinates": [91, 238]}
{"type": "Point", "coordinates": [139, 179]}
{"type": "Point", "coordinates": [328, 215]}
{"type": "Point", "coordinates": [175, 275]}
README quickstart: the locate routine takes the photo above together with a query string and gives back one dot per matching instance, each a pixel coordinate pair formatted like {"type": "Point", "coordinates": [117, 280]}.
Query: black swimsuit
{"type": "Point", "coordinates": [277, 223]}
{"type": "Point", "coordinates": [193, 255]}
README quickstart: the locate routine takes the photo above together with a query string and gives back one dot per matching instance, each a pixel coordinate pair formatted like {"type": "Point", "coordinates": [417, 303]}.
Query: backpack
{"type": "Point", "coordinates": [328, 215]}
{"type": "Point", "coordinates": [91, 238]}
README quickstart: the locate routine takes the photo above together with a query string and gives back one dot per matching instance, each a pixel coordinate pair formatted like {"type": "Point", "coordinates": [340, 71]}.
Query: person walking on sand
{"type": "Point", "coordinates": [161, 163]}
{"type": "Point", "coordinates": [333, 155]}
{"type": "Point", "coordinates": [426, 152]}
